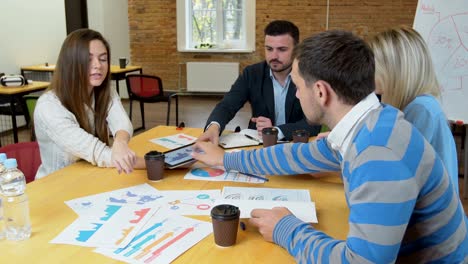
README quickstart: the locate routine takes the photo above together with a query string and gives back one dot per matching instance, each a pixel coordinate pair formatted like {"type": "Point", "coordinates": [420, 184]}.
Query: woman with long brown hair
{"type": "Point", "coordinates": [73, 118]}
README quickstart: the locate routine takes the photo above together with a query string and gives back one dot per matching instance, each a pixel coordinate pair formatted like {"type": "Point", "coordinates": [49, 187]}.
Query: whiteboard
{"type": "Point", "coordinates": [444, 26]}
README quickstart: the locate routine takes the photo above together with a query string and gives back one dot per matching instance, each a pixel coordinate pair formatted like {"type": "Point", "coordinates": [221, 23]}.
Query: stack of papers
{"type": "Point", "coordinates": [247, 199]}
{"type": "Point", "coordinates": [246, 137]}
{"type": "Point", "coordinates": [140, 224]}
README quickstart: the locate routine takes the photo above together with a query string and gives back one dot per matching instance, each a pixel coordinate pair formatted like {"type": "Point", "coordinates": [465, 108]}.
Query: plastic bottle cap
{"type": "Point", "coordinates": [10, 163]}
{"type": "Point", "coordinates": [3, 157]}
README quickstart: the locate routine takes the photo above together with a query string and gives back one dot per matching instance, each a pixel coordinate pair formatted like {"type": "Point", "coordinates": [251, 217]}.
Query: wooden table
{"type": "Point", "coordinates": [117, 73]}
{"type": "Point", "coordinates": [50, 215]}
{"type": "Point", "coordinates": [15, 94]}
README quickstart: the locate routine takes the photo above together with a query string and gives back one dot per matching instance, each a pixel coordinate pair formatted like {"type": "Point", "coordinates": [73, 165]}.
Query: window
{"type": "Point", "coordinates": [216, 25]}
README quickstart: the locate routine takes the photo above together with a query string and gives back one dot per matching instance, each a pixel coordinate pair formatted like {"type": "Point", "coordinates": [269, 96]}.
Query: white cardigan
{"type": "Point", "coordinates": [61, 139]}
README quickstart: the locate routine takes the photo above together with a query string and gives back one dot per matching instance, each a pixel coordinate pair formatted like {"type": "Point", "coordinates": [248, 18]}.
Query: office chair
{"type": "Point", "coordinates": [31, 101]}
{"type": "Point", "coordinates": [27, 155]}
{"type": "Point", "coordinates": [149, 89]}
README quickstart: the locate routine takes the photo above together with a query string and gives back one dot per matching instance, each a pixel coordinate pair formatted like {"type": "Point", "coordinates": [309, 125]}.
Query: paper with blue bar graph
{"type": "Point", "coordinates": [162, 240]}
{"type": "Point", "coordinates": [113, 227]}
{"type": "Point", "coordinates": [140, 224]}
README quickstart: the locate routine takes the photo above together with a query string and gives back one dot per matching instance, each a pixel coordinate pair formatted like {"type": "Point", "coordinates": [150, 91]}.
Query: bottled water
{"type": "Point", "coordinates": [16, 204]}
{"type": "Point", "coordinates": [2, 220]}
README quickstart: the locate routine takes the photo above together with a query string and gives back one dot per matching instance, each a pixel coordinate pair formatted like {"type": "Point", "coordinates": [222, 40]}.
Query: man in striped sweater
{"type": "Point", "coordinates": [403, 207]}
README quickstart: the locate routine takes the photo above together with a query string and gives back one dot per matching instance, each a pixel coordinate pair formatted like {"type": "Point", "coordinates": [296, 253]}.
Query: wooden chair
{"type": "Point", "coordinates": [149, 89]}
{"type": "Point", "coordinates": [27, 155]}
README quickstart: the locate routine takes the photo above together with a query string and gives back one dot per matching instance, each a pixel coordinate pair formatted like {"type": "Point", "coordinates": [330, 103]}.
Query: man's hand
{"type": "Point", "coordinates": [211, 135]}
{"type": "Point", "coordinates": [123, 158]}
{"type": "Point", "coordinates": [265, 220]}
{"type": "Point", "coordinates": [261, 123]}
{"type": "Point", "coordinates": [208, 153]}
{"type": "Point", "coordinates": [322, 135]}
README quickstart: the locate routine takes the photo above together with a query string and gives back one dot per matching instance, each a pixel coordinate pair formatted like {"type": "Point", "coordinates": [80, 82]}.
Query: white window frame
{"type": "Point", "coordinates": [184, 29]}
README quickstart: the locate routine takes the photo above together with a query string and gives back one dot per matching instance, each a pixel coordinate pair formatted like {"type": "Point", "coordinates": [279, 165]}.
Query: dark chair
{"type": "Point", "coordinates": [27, 155]}
{"type": "Point", "coordinates": [149, 89]}
{"type": "Point", "coordinates": [31, 101]}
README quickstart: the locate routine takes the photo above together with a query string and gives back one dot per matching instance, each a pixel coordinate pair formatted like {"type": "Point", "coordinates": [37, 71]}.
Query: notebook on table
{"type": "Point", "coordinates": [245, 138]}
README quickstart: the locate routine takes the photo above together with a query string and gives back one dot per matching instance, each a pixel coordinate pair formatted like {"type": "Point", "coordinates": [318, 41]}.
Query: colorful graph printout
{"type": "Point", "coordinates": [271, 194]}
{"type": "Point", "coordinates": [219, 174]}
{"type": "Point", "coordinates": [113, 227]}
{"type": "Point", "coordinates": [142, 194]}
{"type": "Point", "coordinates": [198, 202]}
{"type": "Point", "coordinates": [161, 240]}
{"type": "Point", "coordinates": [174, 141]}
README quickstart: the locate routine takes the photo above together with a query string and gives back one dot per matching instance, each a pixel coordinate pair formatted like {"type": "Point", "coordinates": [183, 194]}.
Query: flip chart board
{"type": "Point", "coordinates": [444, 26]}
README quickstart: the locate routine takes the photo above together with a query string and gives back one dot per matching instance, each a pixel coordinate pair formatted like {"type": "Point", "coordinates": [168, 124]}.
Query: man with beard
{"type": "Point", "coordinates": [267, 86]}
{"type": "Point", "coordinates": [403, 207]}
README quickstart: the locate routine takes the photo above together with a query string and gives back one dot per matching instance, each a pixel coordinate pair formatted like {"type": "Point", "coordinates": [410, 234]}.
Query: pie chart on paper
{"type": "Point", "coordinates": [207, 172]}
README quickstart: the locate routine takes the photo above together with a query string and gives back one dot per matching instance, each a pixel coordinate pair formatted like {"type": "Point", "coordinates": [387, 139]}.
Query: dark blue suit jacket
{"type": "Point", "coordinates": [255, 86]}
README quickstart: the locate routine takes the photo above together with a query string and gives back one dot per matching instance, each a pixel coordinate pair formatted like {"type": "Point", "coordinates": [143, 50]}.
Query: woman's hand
{"type": "Point", "coordinates": [123, 158]}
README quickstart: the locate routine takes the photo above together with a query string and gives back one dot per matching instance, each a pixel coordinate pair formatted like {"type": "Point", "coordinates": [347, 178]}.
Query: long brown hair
{"type": "Point", "coordinates": [71, 80]}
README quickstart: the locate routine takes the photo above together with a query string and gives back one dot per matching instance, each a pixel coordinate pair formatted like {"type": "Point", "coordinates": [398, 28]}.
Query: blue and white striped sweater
{"type": "Point", "coordinates": [403, 207]}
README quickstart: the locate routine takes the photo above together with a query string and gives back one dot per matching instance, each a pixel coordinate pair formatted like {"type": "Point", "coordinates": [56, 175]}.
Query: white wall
{"type": "Point", "coordinates": [32, 33]}
{"type": "Point", "coordinates": [110, 17]}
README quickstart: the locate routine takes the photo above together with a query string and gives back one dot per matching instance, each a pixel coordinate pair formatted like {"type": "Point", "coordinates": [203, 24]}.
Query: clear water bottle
{"type": "Point", "coordinates": [16, 204]}
{"type": "Point", "coordinates": [2, 219]}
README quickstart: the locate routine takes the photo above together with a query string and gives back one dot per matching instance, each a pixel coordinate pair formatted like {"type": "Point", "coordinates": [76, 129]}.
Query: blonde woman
{"type": "Point", "coordinates": [73, 118]}
{"type": "Point", "coordinates": [406, 79]}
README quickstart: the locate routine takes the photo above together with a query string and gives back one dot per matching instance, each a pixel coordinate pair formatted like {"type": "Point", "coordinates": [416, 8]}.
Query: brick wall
{"type": "Point", "coordinates": [153, 42]}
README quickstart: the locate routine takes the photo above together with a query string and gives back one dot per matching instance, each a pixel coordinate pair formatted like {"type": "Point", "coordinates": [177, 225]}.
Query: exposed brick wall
{"type": "Point", "coordinates": [153, 29]}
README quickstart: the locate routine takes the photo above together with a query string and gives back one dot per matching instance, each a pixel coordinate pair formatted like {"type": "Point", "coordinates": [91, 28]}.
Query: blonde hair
{"type": "Point", "coordinates": [404, 68]}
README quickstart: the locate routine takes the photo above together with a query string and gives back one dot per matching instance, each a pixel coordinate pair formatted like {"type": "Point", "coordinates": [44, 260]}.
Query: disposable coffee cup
{"type": "Point", "coordinates": [123, 62]}
{"type": "Point", "coordinates": [269, 136]}
{"type": "Point", "coordinates": [300, 136]}
{"type": "Point", "coordinates": [154, 165]}
{"type": "Point", "coordinates": [225, 219]}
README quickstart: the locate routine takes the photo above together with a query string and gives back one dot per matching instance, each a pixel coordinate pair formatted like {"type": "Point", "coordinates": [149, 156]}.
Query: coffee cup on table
{"type": "Point", "coordinates": [154, 161]}
{"type": "Point", "coordinates": [300, 136]}
{"type": "Point", "coordinates": [123, 62]}
{"type": "Point", "coordinates": [269, 136]}
{"type": "Point", "coordinates": [225, 219]}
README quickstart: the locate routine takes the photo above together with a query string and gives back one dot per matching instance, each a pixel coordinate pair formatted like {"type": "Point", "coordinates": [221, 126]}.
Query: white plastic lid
{"type": "Point", "coordinates": [3, 157]}
{"type": "Point", "coordinates": [10, 163]}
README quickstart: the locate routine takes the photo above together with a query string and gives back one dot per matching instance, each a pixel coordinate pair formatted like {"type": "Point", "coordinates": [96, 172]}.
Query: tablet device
{"type": "Point", "coordinates": [179, 157]}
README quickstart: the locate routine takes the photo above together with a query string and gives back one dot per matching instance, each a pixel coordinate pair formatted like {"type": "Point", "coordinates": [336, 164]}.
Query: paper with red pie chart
{"type": "Point", "coordinates": [204, 173]}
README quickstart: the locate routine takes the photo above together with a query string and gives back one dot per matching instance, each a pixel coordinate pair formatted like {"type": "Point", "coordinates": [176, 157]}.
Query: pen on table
{"type": "Point", "coordinates": [255, 176]}
{"type": "Point", "coordinates": [252, 138]}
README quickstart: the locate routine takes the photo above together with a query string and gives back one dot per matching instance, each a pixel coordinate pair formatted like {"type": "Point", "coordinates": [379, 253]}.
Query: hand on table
{"type": "Point", "coordinates": [209, 153]}
{"type": "Point", "coordinates": [123, 158]}
{"type": "Point", "coordinates": [266, 219]}
{"type": "Point", "coordinates": [261, 123]}
{"type": "Point", "coordinates": [210, 135]}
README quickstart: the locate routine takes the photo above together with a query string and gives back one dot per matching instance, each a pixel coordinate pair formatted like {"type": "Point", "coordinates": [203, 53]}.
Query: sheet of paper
{"type": "Point", "coordinates": [162, 240]}
{"type": "Point", "coordinates": [174, 141]}
{"type": "Point", "coordinates": [236, 140]}
{"type": "Point", "coordinates": [253, 133]}
{"type": "Point", "coordinates": [113, 227]}
{"type": "Point", "coordinates": [271, 194]}
{"type": "Point", "coordinates": [219, 174]}
{"type": "Point", "coordinates": [197, 202]}
{"type": "Point", "coordinates": [140, 194]}
{"type": "Point", "coordinates": [302, 210]}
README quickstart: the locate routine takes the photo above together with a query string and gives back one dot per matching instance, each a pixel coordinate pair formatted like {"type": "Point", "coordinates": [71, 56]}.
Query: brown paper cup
{"type": "Point", "coordinates": [300, 136]}
{"type": "Point", "coordinates": [225, 219]}
{"type": "Point", "coordinates": [269, 136]}
{"type": "Point", "coordinates": [154, 165]}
